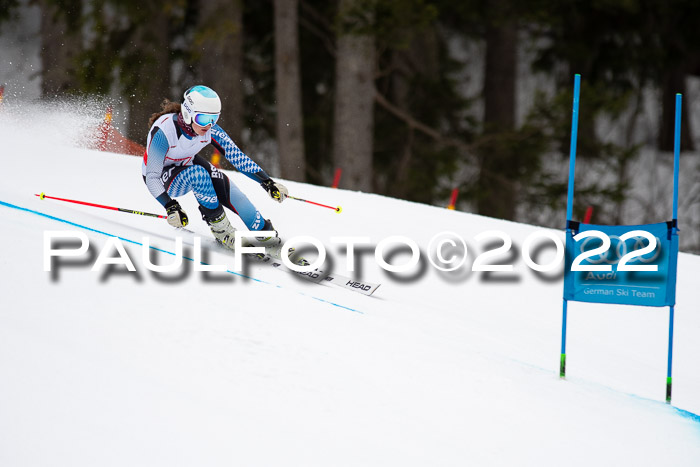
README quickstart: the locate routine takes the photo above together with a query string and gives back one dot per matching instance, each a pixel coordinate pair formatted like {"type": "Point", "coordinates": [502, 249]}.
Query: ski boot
{"type": "Point", "coordinates": [270, 241]}
{"type": "Point", "coordinates": [273, 246]}
{"type": "Point", "coordinates": [220, 227]}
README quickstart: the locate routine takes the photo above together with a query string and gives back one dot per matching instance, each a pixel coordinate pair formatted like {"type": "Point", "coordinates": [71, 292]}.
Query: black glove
{"type": "Point", "coordinates": [276, 190]}
{"type": "Point", "coordinates": [176, 216]}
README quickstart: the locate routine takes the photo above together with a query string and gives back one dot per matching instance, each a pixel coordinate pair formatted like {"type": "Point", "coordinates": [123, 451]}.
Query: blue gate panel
{"type": "Point", "coordinates": [647, 288]}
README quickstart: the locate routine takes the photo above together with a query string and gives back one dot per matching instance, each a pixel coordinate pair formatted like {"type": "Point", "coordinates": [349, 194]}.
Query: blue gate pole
{"type": "Point", "coordinates": [562, 361]}
{"type": "Point", "coordinates": [670, 356]}
{"type": "Point", "coordinates": [676, 155]}
{"type": "Point", "coordinates": [572, 149]}
{"type": "Point", "coordinates": [570, 208]}
{"type": "Point", "coordinates": [676, 170]}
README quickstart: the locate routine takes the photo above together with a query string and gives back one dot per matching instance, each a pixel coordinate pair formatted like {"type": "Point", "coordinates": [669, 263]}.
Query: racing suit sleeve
{"type": "Point", "coordinates": [157, 149]}
{"type": "Point", "coordinates": [225, 145]}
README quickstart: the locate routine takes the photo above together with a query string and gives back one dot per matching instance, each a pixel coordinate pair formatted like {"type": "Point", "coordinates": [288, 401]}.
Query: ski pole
{"type": "Point", "coordinates": [43, 196]}
{"type": "Point", "coordinates": [336, 209]}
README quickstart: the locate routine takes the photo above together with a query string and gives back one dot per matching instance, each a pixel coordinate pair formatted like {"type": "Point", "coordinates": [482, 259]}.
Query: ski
{"type": "Point", "coordinates": [318, 276]}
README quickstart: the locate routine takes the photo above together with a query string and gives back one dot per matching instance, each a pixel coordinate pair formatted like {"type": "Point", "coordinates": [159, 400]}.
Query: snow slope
{"type": "Point", "coordinates": [116, 368]}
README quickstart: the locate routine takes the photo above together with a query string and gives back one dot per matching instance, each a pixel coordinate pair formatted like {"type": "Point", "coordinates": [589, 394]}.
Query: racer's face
{"type": "Point", "coordinates": [200, 130]}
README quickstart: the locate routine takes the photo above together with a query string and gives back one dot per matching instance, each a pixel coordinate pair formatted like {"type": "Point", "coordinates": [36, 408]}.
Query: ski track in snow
{"type": "Point", "coordinates": [134, 242]}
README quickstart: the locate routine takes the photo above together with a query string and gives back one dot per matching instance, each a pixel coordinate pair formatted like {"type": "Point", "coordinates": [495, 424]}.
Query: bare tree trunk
{"type": "Point", "coordinates": [354, 107]}
{"type": "Point", "coordinates": [499, 164]}
{"type": "Point", "coordinates": [419, 58]}
{"type": "Point", "coordinates": [290, 123]}
{"type": "Point", "coordinates": [219, 47]}
{"type": "Point", "coordinates": [61, 42]}
{"type": "Point", "coordinates": [148, 80]}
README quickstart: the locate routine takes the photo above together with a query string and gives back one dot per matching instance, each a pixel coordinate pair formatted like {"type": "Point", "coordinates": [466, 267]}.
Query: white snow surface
{"type": "Point", "coordinates": [116, 368]}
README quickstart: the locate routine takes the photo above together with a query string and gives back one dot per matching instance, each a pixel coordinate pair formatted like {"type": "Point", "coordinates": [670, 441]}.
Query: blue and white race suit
{"type": "Point", "coordinates": [173, 167]}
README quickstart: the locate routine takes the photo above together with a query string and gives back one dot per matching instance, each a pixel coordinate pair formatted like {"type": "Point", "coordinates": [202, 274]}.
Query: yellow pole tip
{"type": "Point", "coordinates": [42, 195]}
{"type": "Point", "coordinates": [338, 209]}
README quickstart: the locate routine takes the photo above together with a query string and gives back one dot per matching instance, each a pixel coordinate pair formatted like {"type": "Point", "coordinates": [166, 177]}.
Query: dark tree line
{"type": "Point", "coordinates": [371, 86]}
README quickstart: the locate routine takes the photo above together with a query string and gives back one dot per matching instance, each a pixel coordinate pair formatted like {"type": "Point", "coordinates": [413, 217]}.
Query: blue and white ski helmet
{"type": "Point", "coordinates": [199, 99]}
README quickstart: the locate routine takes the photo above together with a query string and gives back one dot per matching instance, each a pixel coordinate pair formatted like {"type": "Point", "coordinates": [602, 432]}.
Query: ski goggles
{"type": "Point", "coordinates": [203, 119]}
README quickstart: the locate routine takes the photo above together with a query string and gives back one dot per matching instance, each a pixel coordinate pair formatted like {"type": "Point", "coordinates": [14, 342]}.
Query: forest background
{"type": "Point", "coordinates": [410, 98]}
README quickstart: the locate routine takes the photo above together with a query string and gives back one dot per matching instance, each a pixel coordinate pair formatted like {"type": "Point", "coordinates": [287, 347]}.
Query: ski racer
{"type": "Point", "coordinates": [172, 167]}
